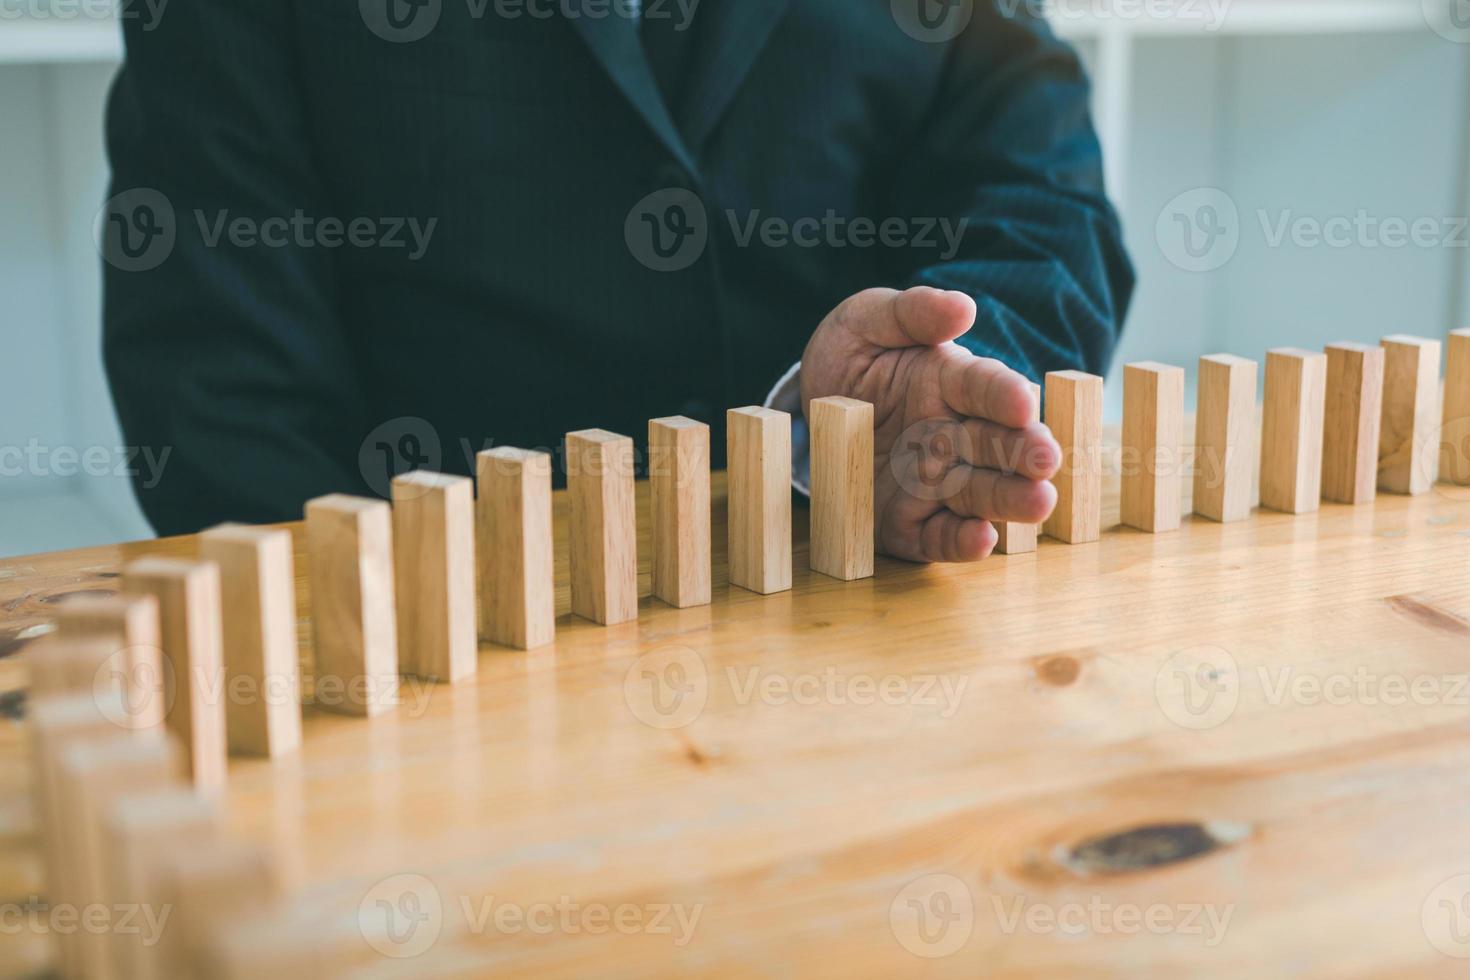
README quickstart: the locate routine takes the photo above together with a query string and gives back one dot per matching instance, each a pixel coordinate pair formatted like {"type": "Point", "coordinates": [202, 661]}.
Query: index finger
{"type": "Point", "coordinates": [982, 387]}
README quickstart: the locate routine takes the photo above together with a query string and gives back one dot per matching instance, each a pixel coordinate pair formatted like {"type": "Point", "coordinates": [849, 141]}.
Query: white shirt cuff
{"type": "Point", "coordinates": [786, 397]}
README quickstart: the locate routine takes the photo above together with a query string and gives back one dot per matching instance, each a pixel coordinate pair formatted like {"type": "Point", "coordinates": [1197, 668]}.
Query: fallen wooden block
{"type": "Point", "coordinates": [1352, 416]}
{"type": "Point", "coordinates": [1074, 415]}
{"type": "Point", "coordinates": [188, 595]}
{"type": "Point", "coordinates": [1153, 435]}
{"type": "Point", "coordinates": [758, 453]}
{"type": "Point", "coordinates": [842, 487]}
{"type": "Point", "coordinates": [1012, 538]}
{"type": "Point", "coordinates": [94, 776]}
{"type": "Point", "coordinates": [434, 561]}
{"type": "Point", "coordinates": [128, 627]}
{"type": "Point", "coordinates": [353, 614]}
{"type": "Point", "coordinates": [140, 831]}
{"type": "Point", "coordinates": [1225, 419]}
{"type": "Point", "coordinates": [604, 534]}
{"type": "Point", "coordinates": [1408, 453]}
{"type": "Point", "coordinates": [211, 886]}
{"type": "Point", "coordinates": [258, 613]}
{"type": "Point", "coordinates": [1291, 430]}
{"type": "Point", "coordinates": [1454, 437]}
{"type": "Point", "coordinates": [514, 549]}
{"type": "Point", "coordinates": [678, 483]}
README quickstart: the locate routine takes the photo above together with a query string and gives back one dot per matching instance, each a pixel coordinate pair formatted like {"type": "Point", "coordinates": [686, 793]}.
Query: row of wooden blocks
{"type": "Point", "coordinates": [1337, 425]}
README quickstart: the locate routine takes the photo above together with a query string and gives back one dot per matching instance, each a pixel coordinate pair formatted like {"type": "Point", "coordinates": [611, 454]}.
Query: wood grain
{"type": "Point", "coordinates": [258, 626]}
{"type": "Point", "coordinates": [1074, 415]}
{"type": "Point", "coordinates": [1224, 427]}
{"type": "Point", "coordinates": [514, 549]}
{"type": "Point", "coordinates": [434, 575]}
{"type": "Point", "coordinates": [353, 614]}
{"type": "Point", "coordinates": [604, 533]}
{"type": "Point", "coordinates": [1454, 436]}
{"type": "Point", "coordinates": [759, 454]}
{"type": "Point", "coordinates": [1408, 452]}
{"type": "Point", "coordinates": [188, 595]}
{"type": "Point", "coordinates": [1353, 414]}
{"type": "Point", "coordinates": [1291, 430]}
{"type": "Point", "coordinates": [1153, 440]}
{"type": "Point", "coordinates": [841, 487]}
{"type": "Point", "coordinates": [678, 487]}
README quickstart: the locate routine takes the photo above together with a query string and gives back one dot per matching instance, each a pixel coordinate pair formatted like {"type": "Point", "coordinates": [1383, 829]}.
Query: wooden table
{"type": "Point", "coordinates": [1115, 759]}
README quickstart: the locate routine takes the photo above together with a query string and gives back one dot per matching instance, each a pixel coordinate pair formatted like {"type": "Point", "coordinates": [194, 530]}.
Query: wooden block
{"type": "Point", "coordinates": [57, 722]}
{"type": "Point", "coordinates": [188, 595]}
{"type": "Point", "coordinates": [758, 452]}
{"type": "Point", "coordinates": [1153, 440]}
{"type": "Point", "coordinates": [1074, 415]}
{"type": "Point", "coordinates": [140, 831]}
{"type": "Point", "coordinates": [93, 776]}
{"type": "Point", "coordinates": [434, 561]}
{"type": "Point", "coordinates": [842, 487]}
{"type": "Point", "coordinates": [517, 574]}
{"type": "Point", "coordinates": [678, 483]}
{"type": "Point", "coordinates": [212, 886]}
{"type": "Point", "coordinates": [1291, 430]}
{"type": "Point", "coordinates": [1224, 423]}
{"type": "Point", "coordinates": [604, 535]}
{"type": "Point", "coordinates": [282, 944]}
{"type": "Point", "coordinates": [1454, 438]}
{"type": "Point", "coordinates": [353, 616]}
{"type": "Point", "coordinates": [258, 612]}
{"type": "Point", "coordinates": [128, 626]}
{"type": "Point", "coordinates": [1012, 538]}
{"type": "Point", "coordinates": [1352, 417]}
{"type": "Point", "coordinates": [1408, 452]}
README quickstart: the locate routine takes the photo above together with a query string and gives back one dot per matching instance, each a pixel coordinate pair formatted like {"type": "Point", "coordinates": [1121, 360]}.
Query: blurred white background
{"type": "Point", "coordinates": [1290, 172]}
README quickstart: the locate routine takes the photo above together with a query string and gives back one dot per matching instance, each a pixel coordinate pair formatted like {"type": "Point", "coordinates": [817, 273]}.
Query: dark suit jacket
{"type": "Point", "coordinates": [298, 362]}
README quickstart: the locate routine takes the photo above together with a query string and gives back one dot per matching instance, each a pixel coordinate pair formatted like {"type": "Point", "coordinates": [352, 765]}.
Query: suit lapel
{"type": "Point", "coordinates": [614, 41]}
{"type": "Point", "coordinates": [731, 40]}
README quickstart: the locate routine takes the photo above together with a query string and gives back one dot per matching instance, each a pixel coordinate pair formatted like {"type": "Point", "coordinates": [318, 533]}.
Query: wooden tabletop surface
{"type": "Point", "coordinates": [1234, 751]}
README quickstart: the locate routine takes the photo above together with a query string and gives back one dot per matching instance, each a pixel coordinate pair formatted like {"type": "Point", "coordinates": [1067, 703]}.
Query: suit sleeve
{"type": "Point", "coordinates": [232, 359]}
{"type": "Point", "coordinates": [1010, 158]}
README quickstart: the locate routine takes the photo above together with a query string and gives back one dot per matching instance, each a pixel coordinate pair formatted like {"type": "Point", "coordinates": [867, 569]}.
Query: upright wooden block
{"type": "Point", "coordinates": [1074, 415]}
{"type": "Point", "coordinates": [258, 611]}
{"type": "Point", "coordinates": [1408, 453]}
{"type": "Point", "coordinates": [604, 545]}
{"type": "Point", "coordinates": [141, 831]}
{"type": "Point", "coordinates": [57, 722]}
{"type": "Point", "coordinates": [1291, 430]}
{"type": "Point", "coordinates": [678, 483]}
{"type": "Point", "coordinates": [517, 574]}
{"type": "Point", "coordinates": [1012, 538]}
{"type": "Point", "coordinates": [128, 626]}
{"type": "Point", "coordinates": [1224, 423]}
{"type": "Point", "coordinates": [1454, 438]}
{"type": "Point", "coordinates": [1351, 421]}
{"type": "Point", "coordinates": [353, 615]}
{"type": "Point", "coordinates": [434, 560]}
{"type": "Point", "coordinates": [1153, 437]}
{"type": "Point", "coordinates": [758, 453]}
{"type": "Point", "coordinates": [94, 776]}
{"type": "Point", "coordinates": [188, 595]}
{"type": "Point", "coordinates": [212, 887]}
{"type": "Point", "coordinates": [842, 487]}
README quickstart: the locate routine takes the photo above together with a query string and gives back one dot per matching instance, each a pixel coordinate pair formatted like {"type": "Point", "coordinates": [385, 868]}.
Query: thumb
{"type": "Point", "coordinates": [918, 317]}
